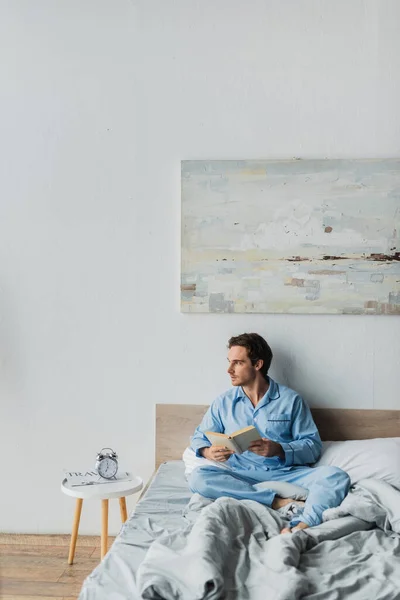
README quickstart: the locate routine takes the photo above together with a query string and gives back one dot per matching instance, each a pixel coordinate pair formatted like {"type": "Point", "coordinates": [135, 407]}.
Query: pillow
{"type": "Point", "coordinates": [282, 488]}
{"type": "Point", "coordinates": [192, 461]}
{"type": "Point", "coordinates": [377, 458]}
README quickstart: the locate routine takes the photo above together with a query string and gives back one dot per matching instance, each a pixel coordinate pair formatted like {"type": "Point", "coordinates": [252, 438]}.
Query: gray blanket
{"type": "Point", "coordinates": [233, 550]}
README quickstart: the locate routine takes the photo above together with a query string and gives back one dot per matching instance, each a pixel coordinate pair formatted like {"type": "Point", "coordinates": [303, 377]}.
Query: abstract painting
{"type": "Point", "coordinates": [291, 236]}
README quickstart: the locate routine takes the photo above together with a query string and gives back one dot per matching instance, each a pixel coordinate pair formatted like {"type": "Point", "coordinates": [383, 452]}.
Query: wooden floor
{"type": "Point", "coordinates": [34, 567]}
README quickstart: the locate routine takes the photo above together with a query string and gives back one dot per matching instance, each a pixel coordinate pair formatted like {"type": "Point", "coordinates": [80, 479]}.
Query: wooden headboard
{"type": "Point", "coordinates": [175, 423]}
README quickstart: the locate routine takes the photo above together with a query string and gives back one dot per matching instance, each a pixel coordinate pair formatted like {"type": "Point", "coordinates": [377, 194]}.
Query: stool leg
{"type": "Point", "coordinates": [75, 527]}
{"type": "Point", "coordinates": [122, 507]}
{"type": "Point", "coordinates": [104, 527]}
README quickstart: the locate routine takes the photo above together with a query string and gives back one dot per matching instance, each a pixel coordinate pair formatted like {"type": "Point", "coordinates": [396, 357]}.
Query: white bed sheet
{"type": "Point", "coordinates": [159, 511]}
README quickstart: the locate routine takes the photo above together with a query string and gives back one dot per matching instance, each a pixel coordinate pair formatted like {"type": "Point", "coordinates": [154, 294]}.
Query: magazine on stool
{"type": "Point", "coordinates": [81, 478]}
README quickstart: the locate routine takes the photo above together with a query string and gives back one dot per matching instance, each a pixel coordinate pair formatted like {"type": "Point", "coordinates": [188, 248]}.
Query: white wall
{"type": "Point", "coordinates": [101, 99]}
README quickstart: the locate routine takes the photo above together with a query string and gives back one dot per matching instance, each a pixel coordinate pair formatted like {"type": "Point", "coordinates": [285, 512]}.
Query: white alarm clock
{"type": "Point", "coordinates": [107, 463]}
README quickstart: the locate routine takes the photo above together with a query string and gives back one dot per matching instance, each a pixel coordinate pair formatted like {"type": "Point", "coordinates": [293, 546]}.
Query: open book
{"type": "Point", "coordinates": [238, 441]}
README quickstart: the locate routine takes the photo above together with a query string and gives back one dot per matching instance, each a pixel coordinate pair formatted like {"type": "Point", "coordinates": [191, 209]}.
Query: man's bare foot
{"type": "Point", "coordinates": [280, 502]}
{"type": "Point", "coordinates": [286, 530]}
{"type": "Point", "coordinates": [297, 527]}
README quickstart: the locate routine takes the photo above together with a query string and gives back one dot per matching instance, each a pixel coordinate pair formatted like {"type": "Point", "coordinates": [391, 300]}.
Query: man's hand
{"type": "Point", "coordinates": [218, 453]}
{"type": "Point", "coordinates": [267, 448]}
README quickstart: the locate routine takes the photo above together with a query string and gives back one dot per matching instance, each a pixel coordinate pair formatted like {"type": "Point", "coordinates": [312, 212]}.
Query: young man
{"type": "Point", "coordinates": [290, 441]}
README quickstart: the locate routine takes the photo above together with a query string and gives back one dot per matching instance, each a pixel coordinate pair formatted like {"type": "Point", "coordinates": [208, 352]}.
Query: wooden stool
{"type": "Point", "coordinates": [102, 491]}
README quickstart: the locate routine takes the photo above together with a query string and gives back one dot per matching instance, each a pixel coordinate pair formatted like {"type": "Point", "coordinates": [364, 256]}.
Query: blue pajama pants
{"type": "Point", "coordinates": [327, 486]}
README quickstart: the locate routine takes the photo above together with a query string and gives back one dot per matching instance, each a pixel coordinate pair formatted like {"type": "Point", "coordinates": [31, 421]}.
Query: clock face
{"type": "Point", "coordinates": [107, 468]}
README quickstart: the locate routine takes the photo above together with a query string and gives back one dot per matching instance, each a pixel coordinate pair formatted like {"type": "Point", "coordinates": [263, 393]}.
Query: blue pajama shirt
{"type": "Point", "coordinates": [281, 416]}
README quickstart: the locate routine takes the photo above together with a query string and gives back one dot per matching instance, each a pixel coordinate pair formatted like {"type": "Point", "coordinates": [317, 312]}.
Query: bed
{"type": "Point", "coordinates": [178, 546]}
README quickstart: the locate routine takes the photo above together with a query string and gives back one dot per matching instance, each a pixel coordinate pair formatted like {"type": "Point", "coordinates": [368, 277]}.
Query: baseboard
{"type": "Point", "coordinates": [50, 540]}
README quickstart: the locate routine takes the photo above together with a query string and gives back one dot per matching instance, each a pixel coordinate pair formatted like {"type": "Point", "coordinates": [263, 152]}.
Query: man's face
{"type": "Point", "coordinates": [241, 370]}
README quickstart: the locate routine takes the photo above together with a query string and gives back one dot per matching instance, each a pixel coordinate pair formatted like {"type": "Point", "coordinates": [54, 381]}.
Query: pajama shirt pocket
{"type": "Point", "coordinates": [279, 425]}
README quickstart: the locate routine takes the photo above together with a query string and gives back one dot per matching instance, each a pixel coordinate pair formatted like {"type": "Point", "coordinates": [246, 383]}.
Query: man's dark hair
{"type": "Point", "coordinates": [257, 348]}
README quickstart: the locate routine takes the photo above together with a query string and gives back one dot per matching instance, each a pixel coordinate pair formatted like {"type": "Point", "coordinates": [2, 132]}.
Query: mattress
{"type": "Point", "coordinates": [160, 510]}
{"type": "Point", "coordinates": [177, 546]}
